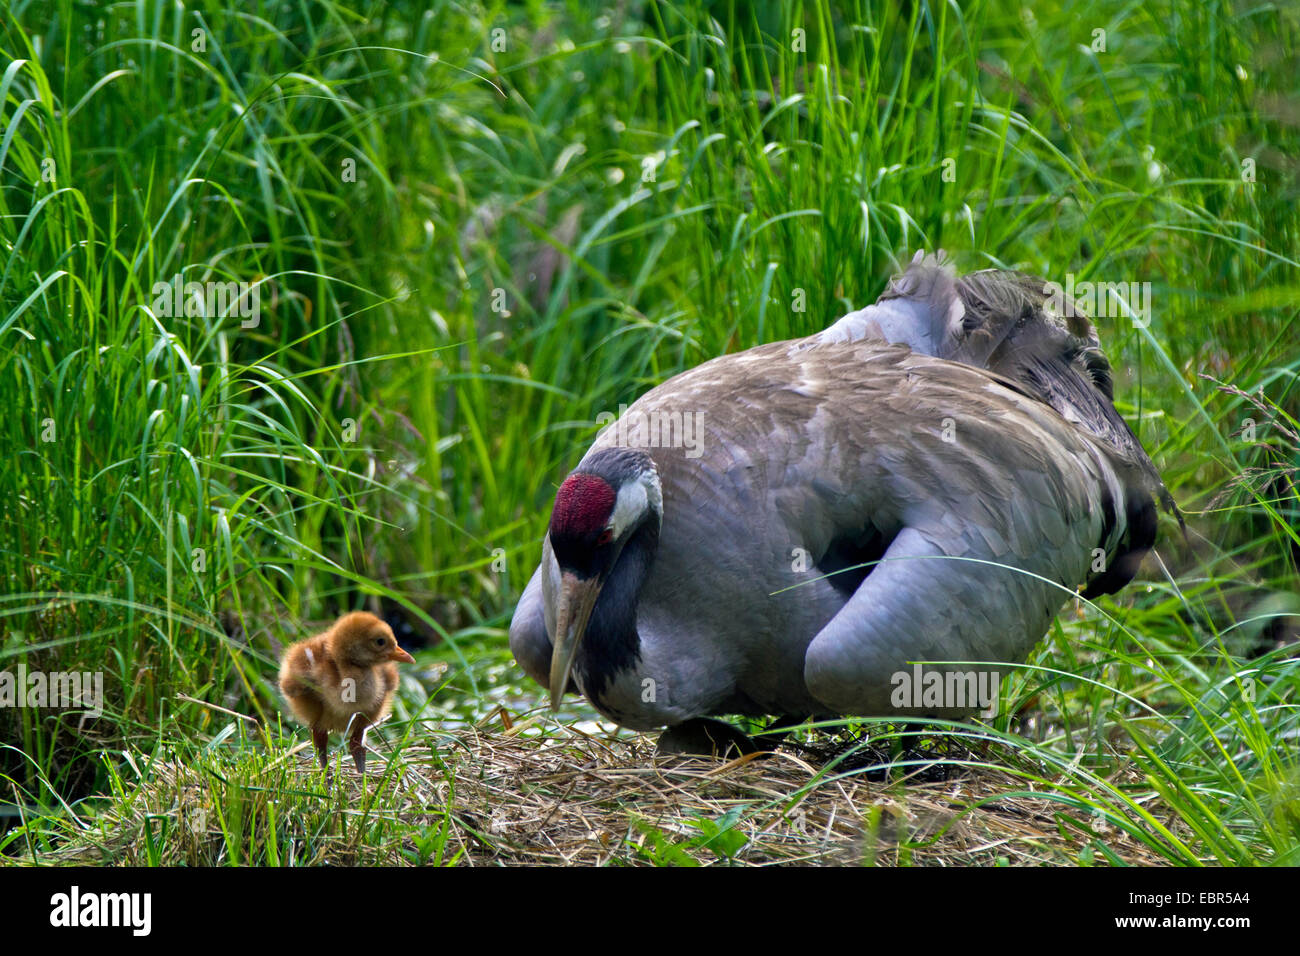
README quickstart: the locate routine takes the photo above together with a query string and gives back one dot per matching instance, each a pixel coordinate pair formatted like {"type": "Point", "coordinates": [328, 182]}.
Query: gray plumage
{"type": "Point", "coordinates": [978, 459]}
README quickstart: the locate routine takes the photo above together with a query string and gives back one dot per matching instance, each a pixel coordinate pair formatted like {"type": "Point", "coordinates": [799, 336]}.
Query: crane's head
{"type": "Point", "coordinates": [598, 508]}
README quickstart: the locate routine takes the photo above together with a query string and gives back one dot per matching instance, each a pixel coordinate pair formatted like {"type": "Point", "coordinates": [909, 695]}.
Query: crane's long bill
{"type": "Point", "coordinates": [577, 598]}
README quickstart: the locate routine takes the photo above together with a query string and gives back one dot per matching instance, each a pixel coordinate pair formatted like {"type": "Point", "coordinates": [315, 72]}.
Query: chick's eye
{"type": "Point", "coordinates": [379, 642]}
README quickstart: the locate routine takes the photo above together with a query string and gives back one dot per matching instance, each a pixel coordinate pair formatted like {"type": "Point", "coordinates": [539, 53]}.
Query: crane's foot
{"type": "Point", "coordinates": [770, 740]}
{"type": "Point", "coordinates": [703, 736]}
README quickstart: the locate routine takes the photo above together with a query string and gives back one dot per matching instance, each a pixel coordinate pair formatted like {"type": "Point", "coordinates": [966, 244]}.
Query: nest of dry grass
{"type": "Point", "coordinates": [593, 801]}
{"type": "Point", "coordinates": [502, 797]}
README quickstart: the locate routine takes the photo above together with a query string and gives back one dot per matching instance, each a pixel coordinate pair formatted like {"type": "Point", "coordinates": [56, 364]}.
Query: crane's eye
{"type": "Point", "coordinates": [606, 537]}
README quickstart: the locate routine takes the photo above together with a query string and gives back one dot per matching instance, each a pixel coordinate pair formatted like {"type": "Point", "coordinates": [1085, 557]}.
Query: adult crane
{"type": "Point", "coordinates": [927, 480]}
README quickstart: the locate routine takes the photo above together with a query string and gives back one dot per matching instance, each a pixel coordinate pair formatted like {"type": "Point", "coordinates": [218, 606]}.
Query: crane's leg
{"type": "Point", "coordinates": [706, 737]}
{"type": "Point", "coordinates": [770, 740]}
{"type": "Point", "coordinates": [703, 736]}
{"type": "Point", "coordinates": [924, 603]}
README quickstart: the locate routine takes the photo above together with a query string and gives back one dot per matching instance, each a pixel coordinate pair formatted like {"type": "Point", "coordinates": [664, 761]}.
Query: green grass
{"type": "Point", "coordinates": [552, 211]}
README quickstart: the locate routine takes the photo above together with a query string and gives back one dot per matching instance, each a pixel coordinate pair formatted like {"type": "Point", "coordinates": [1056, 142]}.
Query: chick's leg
{"type": "Point", "coordinates": [357, 742]}
{"type": "Point", "coordinates": [321, 739]}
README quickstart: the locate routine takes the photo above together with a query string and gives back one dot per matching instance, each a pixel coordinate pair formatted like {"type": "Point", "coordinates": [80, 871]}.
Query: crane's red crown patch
{"type": "Point", "coordinates": [583, 504]}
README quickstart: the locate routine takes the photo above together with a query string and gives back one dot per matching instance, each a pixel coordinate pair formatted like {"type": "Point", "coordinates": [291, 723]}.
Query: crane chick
{"type": "Point", "coordinates": [343, 679]}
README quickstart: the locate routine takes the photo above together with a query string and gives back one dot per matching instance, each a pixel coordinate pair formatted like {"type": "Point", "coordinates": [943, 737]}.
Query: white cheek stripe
{"type": "Point", "coordinates": [311, 658]}
{"type": "Point", "coordinates": [630, 504]}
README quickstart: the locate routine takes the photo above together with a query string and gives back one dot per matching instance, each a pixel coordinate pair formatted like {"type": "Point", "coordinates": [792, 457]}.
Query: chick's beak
{"type": "Point", "coordinates": [577, 598]}
{"type": "Point", "coordinates": [397, 654]}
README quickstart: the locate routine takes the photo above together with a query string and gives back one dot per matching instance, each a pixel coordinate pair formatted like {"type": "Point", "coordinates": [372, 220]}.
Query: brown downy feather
{"type": "Point", "coordinates": [343, 680]}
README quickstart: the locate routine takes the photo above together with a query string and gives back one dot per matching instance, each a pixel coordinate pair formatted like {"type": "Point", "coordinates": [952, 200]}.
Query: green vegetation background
{"type": "Point", "coordinates": [474, 227]}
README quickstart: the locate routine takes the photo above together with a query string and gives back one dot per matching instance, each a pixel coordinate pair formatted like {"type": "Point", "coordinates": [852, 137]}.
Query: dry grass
{"type": "Point", "coordinates": [495, 797]}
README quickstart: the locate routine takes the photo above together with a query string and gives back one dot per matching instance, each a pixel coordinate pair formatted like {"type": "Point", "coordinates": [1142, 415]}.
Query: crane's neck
{"type": "Point", "coordinates": [611, 643]}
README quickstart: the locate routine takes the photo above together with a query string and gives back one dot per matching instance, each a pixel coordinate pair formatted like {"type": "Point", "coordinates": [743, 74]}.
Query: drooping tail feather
{"type": "Point", "coordinates": [1025, 331]}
